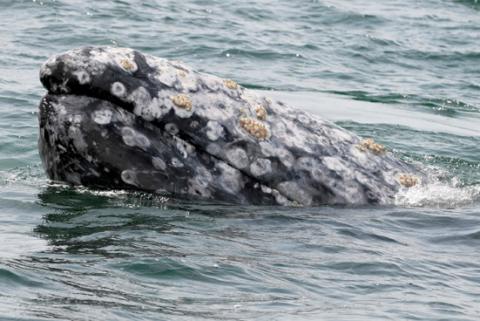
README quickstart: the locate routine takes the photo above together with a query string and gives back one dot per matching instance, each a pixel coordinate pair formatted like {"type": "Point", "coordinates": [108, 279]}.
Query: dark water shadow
{"type": "Point", "coordinates": [112, 223]}
{"type": "Point", "coordinates": [90, 221]}
{"type": "Point", "coordinates": [474, 4]}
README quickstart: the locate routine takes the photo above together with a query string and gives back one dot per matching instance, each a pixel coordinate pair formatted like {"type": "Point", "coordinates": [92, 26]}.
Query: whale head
{"type": "Point", "coordinates": [117, 118]}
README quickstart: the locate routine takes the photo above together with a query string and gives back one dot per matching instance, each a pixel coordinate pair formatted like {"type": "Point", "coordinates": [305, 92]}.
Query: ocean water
{"type": "Point", "coordinates": [404, 72]}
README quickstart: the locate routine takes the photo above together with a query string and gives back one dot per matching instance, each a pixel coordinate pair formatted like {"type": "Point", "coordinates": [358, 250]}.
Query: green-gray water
{"type": "Point", "coordinates": [404, 72]}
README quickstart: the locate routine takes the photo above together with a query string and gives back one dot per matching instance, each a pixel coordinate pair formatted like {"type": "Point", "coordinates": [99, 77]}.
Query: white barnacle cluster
{"type": "Point", "coordinates": [408, 180]}
{"type": "Point", "coordinates": [133, 138]}
{"type": "Point", "coordinates": [249, 111]}
{"type": "Point", "coordinates": [232, 88]}
{"type": "Point", "coordinates": [182, 101]}
{"type": "Point", "coordinates": [255, 128]}
{"type": "Point", "coordinates": [369, 144]}
{"type": "Point", "coordinates": [230, 84]}
{"type": "Point", "coordinates": [182, 105]}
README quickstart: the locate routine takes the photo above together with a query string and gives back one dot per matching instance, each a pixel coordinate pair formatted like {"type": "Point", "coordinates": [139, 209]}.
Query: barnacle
{"type": "Point", "coordinates": [369, 144]}
{"type": "Point", "coordinates": [182, 101]}
{"type": "Point", "coordinates": [231, 84]}
{"type": "Point", "coordinates": [408, 180]}
{"type": "Point", "coordinates": [127, 64]}
{"type": "Point", "coordinates": [261, 112]}
{"type": "Point", "coordinates": [254, 127]}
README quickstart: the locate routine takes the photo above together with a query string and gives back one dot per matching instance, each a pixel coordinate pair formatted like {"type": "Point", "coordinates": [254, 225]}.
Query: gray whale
{"type": "Point", "coordinates": [116, 118]}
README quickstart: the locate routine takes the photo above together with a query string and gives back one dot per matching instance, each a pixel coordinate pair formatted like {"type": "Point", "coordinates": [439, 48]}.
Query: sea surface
{"type": "Point", "coordinates": [405, 72]}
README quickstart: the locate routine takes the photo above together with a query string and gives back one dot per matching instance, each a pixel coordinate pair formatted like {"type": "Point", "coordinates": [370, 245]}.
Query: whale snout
{"type": "Point", "coordinates": [87, 141]}
{"type": "Point", "coordinates": [116, 118]}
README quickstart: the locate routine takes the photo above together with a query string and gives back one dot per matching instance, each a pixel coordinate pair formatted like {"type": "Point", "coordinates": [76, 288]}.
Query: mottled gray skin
{"type": "Point", "coordinates": [112, 118]}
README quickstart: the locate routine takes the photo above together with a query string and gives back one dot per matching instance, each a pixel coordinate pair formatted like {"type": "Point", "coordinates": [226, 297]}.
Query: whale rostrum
{"type": "Point", "coordinates": [117, 118]}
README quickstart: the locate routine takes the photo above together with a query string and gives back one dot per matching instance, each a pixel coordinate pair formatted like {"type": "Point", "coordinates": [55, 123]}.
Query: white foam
{"type": "Point", "coordinates": [438, 194]}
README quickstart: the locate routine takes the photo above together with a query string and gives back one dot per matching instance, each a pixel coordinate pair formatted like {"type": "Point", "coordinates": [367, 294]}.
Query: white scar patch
{"type": "Point", "coordinates": [118, 89]}
{"type": "Point", "coordinates": [129, 177]}
{"type": "Point", "coordinates": [158, 163]}
{"type": "Point", "coordinates": [133, 138]}
{"type": "Point", "coordinates": [102, 116]}
{"type": "Point", "coordinates": [82, 76]}
{"type": "Point", "coordinates": [214, 130]}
